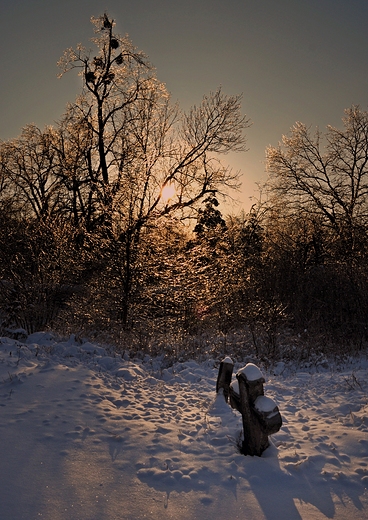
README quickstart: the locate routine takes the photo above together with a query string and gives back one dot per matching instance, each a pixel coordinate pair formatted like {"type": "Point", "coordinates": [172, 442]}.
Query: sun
{"type": "Point", "coordinates": [168, 192]}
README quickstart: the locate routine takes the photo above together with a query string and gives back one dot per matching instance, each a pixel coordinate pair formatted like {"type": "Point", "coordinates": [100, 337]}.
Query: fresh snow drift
{"type": "Point", "coordinates": [89, 434]}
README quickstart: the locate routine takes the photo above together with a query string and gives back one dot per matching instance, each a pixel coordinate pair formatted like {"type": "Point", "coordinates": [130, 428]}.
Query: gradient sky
{"type": "Point", "coordinates": [293, 60]}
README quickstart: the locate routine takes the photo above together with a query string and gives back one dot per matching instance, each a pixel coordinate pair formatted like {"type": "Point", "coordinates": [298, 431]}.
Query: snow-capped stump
{"type": "Point", "coordinates": [258, 420]}
{"type": "Point", "coordinates": [268, 414]}
{"type": "Point", "coordinates": [252, 372]}
{"type": "Point", "coordinates": [261, 416]}
{"type": "Point", "coordinates": [224, 376]}
{"type": "Point", "coordinates": [254, 378]}
{"type": "Point", "coordinates": [265, 404]}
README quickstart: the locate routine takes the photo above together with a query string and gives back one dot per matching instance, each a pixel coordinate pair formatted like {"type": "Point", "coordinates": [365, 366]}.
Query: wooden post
{"type": "Point", "coordinates": [224, 376]}
{"type": "Point", "coordinates": [260, 414]}
{"type": "Point", "coordinates": [255, 439]}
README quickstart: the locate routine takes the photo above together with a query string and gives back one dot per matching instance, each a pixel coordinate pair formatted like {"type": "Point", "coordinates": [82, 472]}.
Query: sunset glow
{"type": "Point", "coordinates": [168, 192]}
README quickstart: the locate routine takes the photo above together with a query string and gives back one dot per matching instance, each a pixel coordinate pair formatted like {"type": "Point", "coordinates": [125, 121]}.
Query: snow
{"type": "Point", "coordinates": [228, 360]}
{"type": "Point", "coordinates": [251, 372]}
{"type": "Point", "coordinates": [90, 434]}
{"type": "Point", "coordinates": [264, 404]}
{"type": "Point", "coordinates": [235, 386]}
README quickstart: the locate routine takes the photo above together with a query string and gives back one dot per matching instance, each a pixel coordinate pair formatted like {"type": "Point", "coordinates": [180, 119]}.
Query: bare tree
{"type": "Point", "coordinates": [327, 182]}
{"type": "Point", "coordinates": [145, 158]}
{"type": "Point", "coordinates": [315, 222]}
{"type": "Point", "coordinates": [28, 164]}
{"type": "Point", "coordinates": [72, 145]}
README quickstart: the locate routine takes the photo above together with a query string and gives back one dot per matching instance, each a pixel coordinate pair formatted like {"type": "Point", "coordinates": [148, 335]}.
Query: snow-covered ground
{"type": "Point", "coordinates": [89, 435]}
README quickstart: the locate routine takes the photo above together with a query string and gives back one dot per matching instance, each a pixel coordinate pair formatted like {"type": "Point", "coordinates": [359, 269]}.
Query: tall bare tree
{"type": "Point", "coordinates": [325, 177]}
{"type": "Point", "coordinates": [146, 159]}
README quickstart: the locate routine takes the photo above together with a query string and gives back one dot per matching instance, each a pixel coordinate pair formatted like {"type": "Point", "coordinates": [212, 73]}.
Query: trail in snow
{"type": "Point", "coordinates": [88, 435]}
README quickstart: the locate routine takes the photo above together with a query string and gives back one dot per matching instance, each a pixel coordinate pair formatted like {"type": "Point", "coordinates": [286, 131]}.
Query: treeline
{"type": "Point", "coordinates": [110, 222]}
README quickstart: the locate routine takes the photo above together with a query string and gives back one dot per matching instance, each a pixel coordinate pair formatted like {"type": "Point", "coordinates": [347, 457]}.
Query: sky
{"type": "Point", "coordinates": [292, 60]}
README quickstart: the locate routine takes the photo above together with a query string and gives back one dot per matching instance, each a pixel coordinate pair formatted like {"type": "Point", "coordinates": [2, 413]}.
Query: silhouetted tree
{"type": "Point", "coordinates": [315, 222]}
{"type": "Point", "coordinates": [330, 183]}
{"type": "Point", "coordinates": [140, 143]}
{"type": "Point", "coordinates": [209, 219]}
{"type": "Point", "coordinates": [28, 164]}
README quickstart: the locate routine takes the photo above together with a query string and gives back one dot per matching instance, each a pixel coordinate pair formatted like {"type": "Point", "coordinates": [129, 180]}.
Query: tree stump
{"type": "Point", "coordinates": [260, 414]}
{"type": "Point", "coordinates": [255, 439]}
{"type": "Point", "coordinates": [224, 377]}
